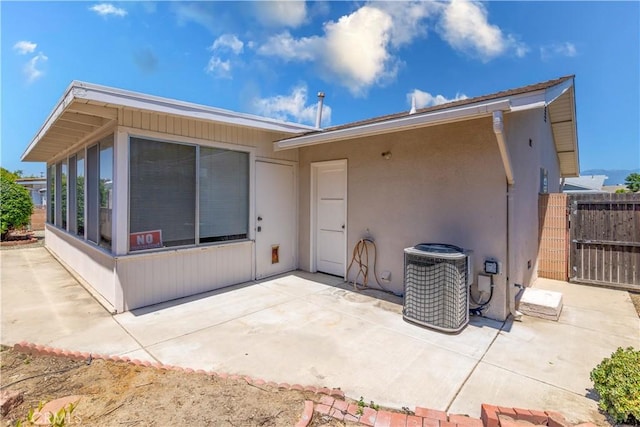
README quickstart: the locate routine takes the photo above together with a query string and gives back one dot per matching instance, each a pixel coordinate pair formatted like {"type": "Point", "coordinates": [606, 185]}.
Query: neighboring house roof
{"type": "Point", "coordinates": [586, 183]}
{"type": "Point", "coordinates": [32, 180]}
{"type": "Point", "coordinates": [557, 96]}
{"type": "Point", "coordinates": [614, 188]}
{"type": "Point", "coordinates": [86, 109]}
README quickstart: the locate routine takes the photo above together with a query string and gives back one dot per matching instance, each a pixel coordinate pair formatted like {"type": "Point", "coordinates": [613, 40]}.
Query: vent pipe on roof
{"type": "Point", "coordinates": [413, 104]}
{"type": "Point", "coordinates": [319, 112]}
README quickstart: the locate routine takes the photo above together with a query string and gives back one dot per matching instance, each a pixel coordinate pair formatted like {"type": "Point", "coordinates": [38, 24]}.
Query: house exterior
{"type": "Point", "coordinates": [584, 184]}
{"type": "Point", "coordinates": [165, 199]}
{"type": "Point", "coordinates": [37, 188]}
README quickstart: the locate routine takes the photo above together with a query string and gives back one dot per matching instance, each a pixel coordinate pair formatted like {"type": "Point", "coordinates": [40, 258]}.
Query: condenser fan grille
{"type": "Point", "coordinates": [436, 290]}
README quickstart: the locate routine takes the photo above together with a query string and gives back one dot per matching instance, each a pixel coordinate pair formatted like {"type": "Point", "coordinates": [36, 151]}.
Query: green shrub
{"type": "Point", "coordinates": [617, 381]}
{"type": "Point", "coordinates": [15, 204]}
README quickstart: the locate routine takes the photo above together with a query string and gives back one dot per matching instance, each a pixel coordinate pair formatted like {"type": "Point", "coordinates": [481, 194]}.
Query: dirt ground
{"type": "Point", "coordinates": [123, 394]}
{"type": "Point", "coordinates": [635, 299]}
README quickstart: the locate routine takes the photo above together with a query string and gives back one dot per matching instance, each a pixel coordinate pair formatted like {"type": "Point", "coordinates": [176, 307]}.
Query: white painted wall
{"type": "Point", "coordinates": [442, 184]}
{"type": "Point", "coordinates": [156, 277]}
{"type": "Point", "coordinates": [92, 264]}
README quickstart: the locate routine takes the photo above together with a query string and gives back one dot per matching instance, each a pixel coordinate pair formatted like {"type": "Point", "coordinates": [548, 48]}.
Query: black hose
{"type": "Point", "coordinates": [481, 306]}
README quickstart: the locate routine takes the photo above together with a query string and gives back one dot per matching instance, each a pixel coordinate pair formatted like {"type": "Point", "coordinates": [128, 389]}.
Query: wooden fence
{"type": "Point", "coordinates": [605, 239]}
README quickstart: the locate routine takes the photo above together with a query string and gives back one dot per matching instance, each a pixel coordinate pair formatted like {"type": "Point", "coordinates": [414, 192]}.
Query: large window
{"type": "Point", "coordinates": [163, 191]}
{"type": "Point", "coordinates": [106, 191]}
{"type": "Point", "coordinates": [167, 198]}
{"type": "Point", "coordinates": [79, 190]}
{"type": "Point", "coordinates": [81, 193]}
{"type": "Point", "coordinates": [224, 195]}
{"type": "Point", "coordinates": [51, 209]}
{"type": "Point", "coordinates": [63, 194]}
{"type": "Point", "coordinates": [91, 205]}
{"type": "Point", "coordinates": [99, 189]}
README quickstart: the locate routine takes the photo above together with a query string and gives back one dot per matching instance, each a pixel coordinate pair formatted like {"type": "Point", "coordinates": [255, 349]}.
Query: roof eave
{"type": "Point", "coordinates": [410, 121]}
{"type": "Point", "coordinates": [140, 101]}
{"type": "Point", "coordinates": [63, 102]}
{"type": "Point", "coordinates": [113, 98]}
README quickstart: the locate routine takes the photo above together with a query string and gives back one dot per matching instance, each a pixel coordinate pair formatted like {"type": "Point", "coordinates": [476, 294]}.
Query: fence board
{"type": "Point", "coordinates": [605, 239]}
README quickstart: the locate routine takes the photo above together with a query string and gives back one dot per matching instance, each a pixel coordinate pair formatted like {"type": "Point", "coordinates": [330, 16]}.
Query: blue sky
{"type": "Point", "coordinates": [271, 58]}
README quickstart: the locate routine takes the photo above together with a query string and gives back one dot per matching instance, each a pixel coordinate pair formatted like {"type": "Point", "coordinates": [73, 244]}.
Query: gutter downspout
{"type": "Point", "coordinates": [501, 138]}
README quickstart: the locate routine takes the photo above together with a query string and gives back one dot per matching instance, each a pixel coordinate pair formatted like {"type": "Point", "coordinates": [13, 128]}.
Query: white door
{"type": "Point", "coordinates": [275, 219]}
{"type": "Point", "coordinates": [329, 208]}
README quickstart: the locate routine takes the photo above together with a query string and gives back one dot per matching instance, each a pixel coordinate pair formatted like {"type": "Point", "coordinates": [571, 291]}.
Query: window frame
{"type": "Point", "coordinates": [197, 143]}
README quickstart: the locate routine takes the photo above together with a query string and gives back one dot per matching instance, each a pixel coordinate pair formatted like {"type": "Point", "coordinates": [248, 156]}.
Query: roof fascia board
{"type": "Point", "coordinates": [552, 93]}
{"type": "Point", "coordinates": [139, 101]}
{"type": "Point", "coordinates": [65, 100]}
{"type": "Point", "coordinates": [403, 123]}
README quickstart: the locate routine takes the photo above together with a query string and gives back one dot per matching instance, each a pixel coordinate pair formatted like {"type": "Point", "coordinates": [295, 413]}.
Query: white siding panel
{"type": "Point", "coordinates": [162, 276]}
{"type": "Point", "coordinates": [208, 131]}
{"type": "Point", "coordinates": [85, 260]}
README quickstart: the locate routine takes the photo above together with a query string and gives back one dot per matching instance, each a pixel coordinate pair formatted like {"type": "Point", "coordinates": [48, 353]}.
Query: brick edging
{"type": "Point", "coordinates": [333, 403]}
{"type": "Point", "coordinates": [492, 416]}
{"type": "Point", "coordinates": [305, 419]}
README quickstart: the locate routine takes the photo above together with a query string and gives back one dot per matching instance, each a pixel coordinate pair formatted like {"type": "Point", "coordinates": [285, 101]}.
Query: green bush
{"type": "Point", "coordinates": [617, 381]}
{"type": "Point", "coordinates": [16, 206]}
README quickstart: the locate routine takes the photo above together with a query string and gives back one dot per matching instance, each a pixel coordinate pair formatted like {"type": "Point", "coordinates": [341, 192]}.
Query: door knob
{"type": "Point", "coordinates": [259, 218]}
{"type": "Point", "coordinates": [343, 226]}
{"type": "Point", "coordinates": [259, 228]}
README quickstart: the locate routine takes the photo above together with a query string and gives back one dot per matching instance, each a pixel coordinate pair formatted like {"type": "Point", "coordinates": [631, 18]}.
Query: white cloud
{"type": "Point", "coordinates": [425, 99]}
{"type": "Point", "coordinates": [200, 12]}
{"type": "Point", "coordinates": [218, 67]}
{"type": "Point", "coordinates": [558, 49]}
{"type": "Point", "coordinates": [106, 9]}
{"type": "Point", "coordinates": [23, 47]}
{"type": "Point", "coordinates": [464, 25]}
{"type": "Point", "coordinates": [355, 50]}
{"type": "Point", "coordinates": [286, 47]}
{"type": "Point", "coordinates": [359, 50]}
{"type": "Point", "coordinates": [31, 68]}
{"type": "Point", "coordinates": [292, 107]}
{"type": "Point", "coordinates": [281, 13]}
{"type": "Point", "coordinates": [408, 19]}
{"type": "Point", "coordinates": [228, 41]}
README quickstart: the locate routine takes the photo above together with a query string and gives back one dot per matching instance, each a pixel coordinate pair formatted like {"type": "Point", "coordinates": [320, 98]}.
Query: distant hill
{"type": "Point", "coordinates": [615, 176]}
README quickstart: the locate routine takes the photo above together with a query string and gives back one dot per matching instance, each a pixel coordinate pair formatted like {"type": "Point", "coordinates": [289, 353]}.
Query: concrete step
{"type": "Point", "coordinates": [541, 303]}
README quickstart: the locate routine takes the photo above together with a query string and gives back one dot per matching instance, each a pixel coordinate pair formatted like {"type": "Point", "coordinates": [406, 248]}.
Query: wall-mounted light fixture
{"type": "Point", "coordinates": [386, 155]}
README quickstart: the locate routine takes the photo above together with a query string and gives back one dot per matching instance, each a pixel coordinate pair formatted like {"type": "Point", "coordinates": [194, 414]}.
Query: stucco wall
{"type": "Point", "coordinates": [442, 184]}
{"type": "Point", "coordinates": [528, 158]}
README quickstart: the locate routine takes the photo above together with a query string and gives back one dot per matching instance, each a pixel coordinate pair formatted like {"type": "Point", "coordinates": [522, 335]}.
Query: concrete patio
{"type": "Point", "coordinates": [312, 329]}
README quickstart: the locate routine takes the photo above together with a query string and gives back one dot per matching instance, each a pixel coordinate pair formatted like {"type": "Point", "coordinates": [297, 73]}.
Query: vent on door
{"type": "Point", "coordinates": [436, 284]}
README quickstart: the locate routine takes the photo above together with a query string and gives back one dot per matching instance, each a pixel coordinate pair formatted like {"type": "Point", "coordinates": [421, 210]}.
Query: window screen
{"type": "Point", "coordinates": [79, 189]}
{"type": "Point", "coordinates": [63, 194]}
{"type": "Point", "coordinates": [106, 190]}
{"type": "Point", "coordinates": [92, 194]}
{"type": "Point", "coordinates": [224, 194]}
{"type": "Point", "coordinates": [51, 210]}
{"type": "Point", "coordinates": [162, 190]}
{"type": "Point", "coordinates": [71, 194]}
{"type": "Point", "coordinates": [58, 193]}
